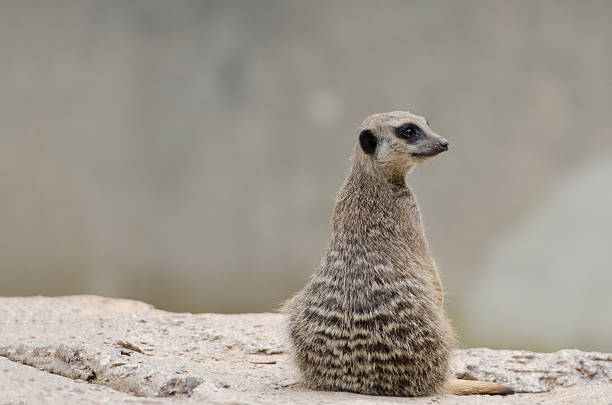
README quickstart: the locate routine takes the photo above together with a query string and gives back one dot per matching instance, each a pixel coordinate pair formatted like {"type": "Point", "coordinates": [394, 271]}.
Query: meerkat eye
{"type": "Point", "coordinates": [428, 124]}
{"type": "Point", "coordinates": [408, 131]}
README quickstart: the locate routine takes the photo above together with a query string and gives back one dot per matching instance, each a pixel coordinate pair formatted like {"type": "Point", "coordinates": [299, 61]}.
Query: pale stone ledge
{"type": "Point", "coordinates": [120, 351]}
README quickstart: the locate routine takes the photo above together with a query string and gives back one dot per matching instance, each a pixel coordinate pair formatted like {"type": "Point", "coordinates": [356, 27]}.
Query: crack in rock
{"type": "Point", "coordinates": [81, 362]}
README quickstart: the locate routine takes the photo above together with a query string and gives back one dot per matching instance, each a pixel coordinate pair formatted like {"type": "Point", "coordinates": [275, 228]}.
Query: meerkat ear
{"type": "Point", "coordinates": [368, 141]}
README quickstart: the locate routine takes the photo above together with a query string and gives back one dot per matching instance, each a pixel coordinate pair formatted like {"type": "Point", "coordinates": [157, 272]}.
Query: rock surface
{"type": "Point", "coordinates": [87, 349]}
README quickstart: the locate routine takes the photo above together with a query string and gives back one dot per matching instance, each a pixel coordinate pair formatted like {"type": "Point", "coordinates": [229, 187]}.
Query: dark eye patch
{"type": "Point", "coordinates": [409, 132]}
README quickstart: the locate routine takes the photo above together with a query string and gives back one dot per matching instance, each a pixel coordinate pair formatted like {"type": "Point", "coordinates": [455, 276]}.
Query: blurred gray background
{"type": "Point", "coordinates": [187, 153]}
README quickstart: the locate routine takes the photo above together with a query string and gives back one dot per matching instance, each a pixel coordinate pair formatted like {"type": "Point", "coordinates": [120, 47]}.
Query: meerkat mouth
{"type": "Point", "coordinates": [425, 154]}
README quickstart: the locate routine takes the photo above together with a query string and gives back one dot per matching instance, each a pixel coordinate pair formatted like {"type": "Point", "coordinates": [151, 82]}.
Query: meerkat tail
{"type": "Point", "coordinates": [472, 387]}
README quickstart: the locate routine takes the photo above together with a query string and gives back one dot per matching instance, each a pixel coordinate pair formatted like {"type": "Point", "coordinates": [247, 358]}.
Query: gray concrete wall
{"type": "Point", "coordinates": [187, 153]}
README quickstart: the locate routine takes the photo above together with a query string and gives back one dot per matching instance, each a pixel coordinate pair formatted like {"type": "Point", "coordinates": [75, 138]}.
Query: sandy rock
{"type": "Point", "coordinates": [87, 349]}
{"type": "Point", "coordinates": [534, 372]}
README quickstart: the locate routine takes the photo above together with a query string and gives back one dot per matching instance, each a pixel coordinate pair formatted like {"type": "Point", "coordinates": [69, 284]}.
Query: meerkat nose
{"type": "Point", "coordinates": [443, 145]}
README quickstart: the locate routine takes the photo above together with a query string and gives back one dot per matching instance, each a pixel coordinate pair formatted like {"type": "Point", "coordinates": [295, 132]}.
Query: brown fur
{"type": "Point", "coordinates": [371, 319]}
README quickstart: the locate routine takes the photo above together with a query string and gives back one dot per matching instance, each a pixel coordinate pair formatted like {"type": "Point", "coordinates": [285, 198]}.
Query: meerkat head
{"type": "Point", "coordinates": [395, 142]}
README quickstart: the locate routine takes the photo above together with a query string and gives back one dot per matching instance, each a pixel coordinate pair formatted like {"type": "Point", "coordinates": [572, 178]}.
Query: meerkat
{"type": "Point", "coordinates": [371, 319]}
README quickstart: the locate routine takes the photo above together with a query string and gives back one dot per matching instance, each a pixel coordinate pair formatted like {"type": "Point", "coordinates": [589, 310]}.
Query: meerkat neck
{"type": "Point", "coordinates": [387, 175]}
{"type": "Point", "coordinates": [365, 174]}
{"type": "Point", "coordinates": [369, 209]}
{"type": "Point", "coordinates": [367, 200]}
